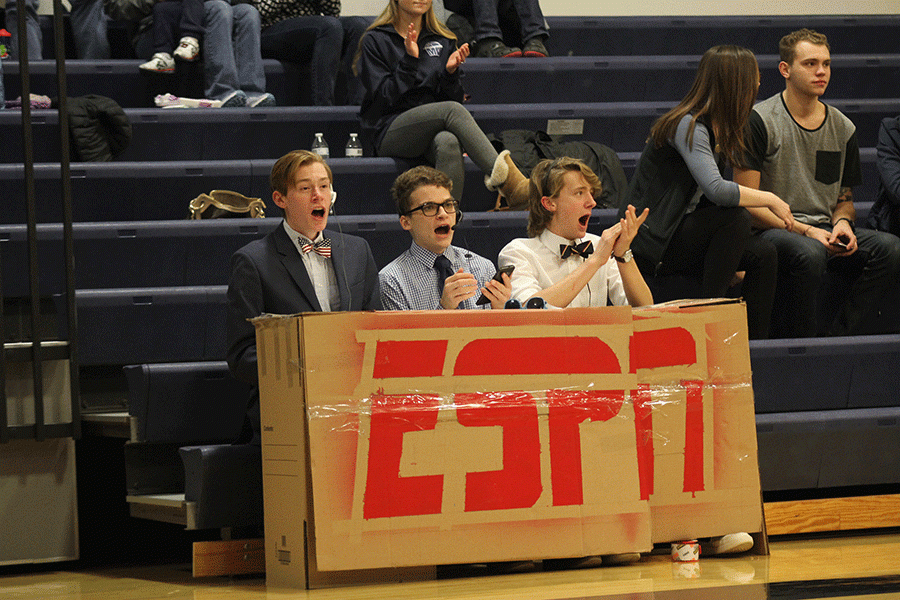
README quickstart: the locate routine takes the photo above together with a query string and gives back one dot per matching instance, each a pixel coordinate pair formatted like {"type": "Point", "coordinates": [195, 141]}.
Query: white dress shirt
{"type": "Point", "coordinates": [320, 270]}
{"type": "Point", "coordinates": [539, 266]}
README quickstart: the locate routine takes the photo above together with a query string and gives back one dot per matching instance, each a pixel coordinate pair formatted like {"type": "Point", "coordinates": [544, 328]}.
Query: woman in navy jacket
{"type": "Point", "coordinates": [409, 65]}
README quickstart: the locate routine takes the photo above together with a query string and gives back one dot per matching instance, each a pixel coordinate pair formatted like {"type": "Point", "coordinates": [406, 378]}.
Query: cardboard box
{"type": "Point", "coordinates": [410, 439]}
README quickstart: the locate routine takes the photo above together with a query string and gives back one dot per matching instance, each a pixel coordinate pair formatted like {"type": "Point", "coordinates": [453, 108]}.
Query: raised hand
{"type": "Point", "coordinates": [630, 225]}
{"type": "Point", "coordinates": [412, 41]}
{"type": "Point", "coordinates": [458, 58]}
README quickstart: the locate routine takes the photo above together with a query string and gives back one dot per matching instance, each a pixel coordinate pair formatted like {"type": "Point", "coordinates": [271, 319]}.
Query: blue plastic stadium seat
{"type": "Point", "coordinates": [126, 326]}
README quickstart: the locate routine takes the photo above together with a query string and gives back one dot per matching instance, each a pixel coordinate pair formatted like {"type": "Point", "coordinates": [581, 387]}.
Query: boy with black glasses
{"type": "Point", "coordinates": [434, 274]}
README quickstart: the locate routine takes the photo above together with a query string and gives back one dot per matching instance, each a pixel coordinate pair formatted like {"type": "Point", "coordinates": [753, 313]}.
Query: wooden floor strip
{"type": "Point", "coordinates": [833, 514]}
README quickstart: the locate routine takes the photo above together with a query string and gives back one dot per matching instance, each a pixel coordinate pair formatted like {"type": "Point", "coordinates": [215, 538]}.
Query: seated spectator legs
{"type": "Point", "coordinates": [164, 28]}
{"type": "Point", "coordinates": [522, 24]}
{"type": "Point", "coordinates": [504, 28]}
{"type": "Point", "coordinates": [488, 35]}
{"type": "Point", "coordinates": [878, 275]}
{"type": "Point", "coordinates": [415, 133]}
{"type": "Point", "coordinates": [802, 263]}
{"type": "Point", "coordinates": [314, 38]}
{"type": "Point", "coordinates": [532, 27]}
{"type": "Point", "coordinates": [353, 28]}
{"type": "Point", "coordinates": [89, 29]}
{"type": "Point", "coordinates": [231, 51]}
{"type": "Point", "coordinates": [711, 244]}
{"type": "Point", "coordinates": [34, 39]}
{"type": "Point", "coordinates": [190, 30]}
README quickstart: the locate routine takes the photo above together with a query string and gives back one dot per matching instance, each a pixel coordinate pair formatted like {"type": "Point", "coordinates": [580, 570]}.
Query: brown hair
{"type": "Point", "coordinates": [787, 47]}
{"type": "Point", "coordinates": [391, 15]}
{"type": "Point", "coordinates": [723, 93]}
{"type": "Point", "coordinates": [547, 180]}
{"type": "Point", "coordinates": [411, 180]}
{"type": "Point", "coordinates": [285, 169]}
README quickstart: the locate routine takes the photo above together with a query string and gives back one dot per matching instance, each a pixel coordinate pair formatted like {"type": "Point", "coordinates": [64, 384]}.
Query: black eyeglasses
{"type": "Point", "coordinates": [430, 209]}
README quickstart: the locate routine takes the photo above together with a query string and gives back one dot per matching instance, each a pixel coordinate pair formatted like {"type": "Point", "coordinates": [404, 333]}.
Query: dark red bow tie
{"type": "Point", "coordinates": [584, 249]}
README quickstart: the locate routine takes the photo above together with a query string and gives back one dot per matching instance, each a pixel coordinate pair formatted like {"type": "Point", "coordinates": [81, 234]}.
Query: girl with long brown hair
{"type": "Point", "coordinates": [698, 226]}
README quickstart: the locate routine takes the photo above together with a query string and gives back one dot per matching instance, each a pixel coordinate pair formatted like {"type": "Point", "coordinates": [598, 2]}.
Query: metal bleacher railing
{"type": "Point", "coordinates": [33, 348]}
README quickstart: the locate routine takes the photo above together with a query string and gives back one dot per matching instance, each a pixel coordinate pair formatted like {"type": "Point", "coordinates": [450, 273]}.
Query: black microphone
{"type": "Point", "coordinates": [536, 302]}
{"type": "Point", "coordinates": [458, 219]}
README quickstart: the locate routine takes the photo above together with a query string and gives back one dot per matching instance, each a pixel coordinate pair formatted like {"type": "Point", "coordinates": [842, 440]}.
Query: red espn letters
{"type": "Point", "coordinates": [518, 484]}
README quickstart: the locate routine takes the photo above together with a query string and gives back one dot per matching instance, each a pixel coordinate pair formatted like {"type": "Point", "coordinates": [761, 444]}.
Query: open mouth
{"type": "Point", "coordinates": [584, 220]}
{"type": "Point", "coordinates": [318, 212]}
{"type": "Point", "coordinates": [442, 230]}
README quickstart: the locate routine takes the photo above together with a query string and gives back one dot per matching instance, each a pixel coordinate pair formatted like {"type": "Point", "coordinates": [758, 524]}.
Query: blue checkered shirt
{"type": "Point", "coordinates": [410, 282]}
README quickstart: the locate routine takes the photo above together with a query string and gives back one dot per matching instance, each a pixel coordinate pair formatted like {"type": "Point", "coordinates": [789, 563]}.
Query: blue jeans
{"type": "Point", "coordinates": [231, 50]}
{"type": "Point", "coordinates": [313, 38]}
{"type": "Point", "coordinates": [801, 269]}
{"type": "Point", "coordinates": [513, 21]}
{"type": "Point", "coordinates": [89, 29]}
{"type": "Point", "coordinates": [174, 20]}
{"type": "Point", "coordinates": [32, 29]}
{"type": "Point", "coordinates": [327, 43]}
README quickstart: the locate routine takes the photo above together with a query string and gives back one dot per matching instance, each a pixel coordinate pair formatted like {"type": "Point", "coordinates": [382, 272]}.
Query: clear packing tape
{"type": "Point", "coordinates": [619, 427]}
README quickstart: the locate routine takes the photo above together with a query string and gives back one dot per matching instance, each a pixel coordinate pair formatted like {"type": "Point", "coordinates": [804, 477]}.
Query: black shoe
{"type": "Point", "coordinates": [494, 48]}
{"type": "Point", "coordinates": [534, 48]}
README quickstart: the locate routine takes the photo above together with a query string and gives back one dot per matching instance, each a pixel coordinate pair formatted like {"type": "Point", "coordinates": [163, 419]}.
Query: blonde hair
{"type": "Point", "coordinates": [285, 169]}
{"type": "Point", "coordinates": [547, 179]}
{"type": "Point", "coordinates": [391, 15]}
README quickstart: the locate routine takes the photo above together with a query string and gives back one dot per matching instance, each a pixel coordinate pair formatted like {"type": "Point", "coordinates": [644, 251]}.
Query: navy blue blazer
{"type": "Point", "coordinates": [268, 276]}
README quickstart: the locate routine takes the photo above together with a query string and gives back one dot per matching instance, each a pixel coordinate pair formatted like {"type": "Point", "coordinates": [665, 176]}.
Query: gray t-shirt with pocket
{"type": "Point", "coordinates": [804, 167]}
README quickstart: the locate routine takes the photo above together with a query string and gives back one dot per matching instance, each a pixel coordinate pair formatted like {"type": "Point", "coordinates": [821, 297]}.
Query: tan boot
{"type": "Point", "coordinates": [508, 179]}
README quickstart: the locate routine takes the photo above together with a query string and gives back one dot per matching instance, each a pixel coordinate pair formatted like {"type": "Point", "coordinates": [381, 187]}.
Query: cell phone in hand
{"type": "Point", "coordinates": [498, 276]}
{"type": "Point", "coordinates": [839, 243]}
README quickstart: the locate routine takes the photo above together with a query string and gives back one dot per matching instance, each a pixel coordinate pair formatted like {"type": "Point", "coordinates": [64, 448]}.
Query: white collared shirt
{"type": "Point", "coordinates": [538, 266]}
{"type": "Point", "coordinates": [320, 270]}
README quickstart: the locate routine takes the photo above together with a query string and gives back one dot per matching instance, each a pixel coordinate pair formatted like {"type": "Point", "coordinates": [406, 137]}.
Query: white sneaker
{"type": "Point", "coordinates": [172, 101]}
{"type": "Point", "coordinates": [188, 49]}
{"type": "Point", "coordinates": [621, 559]}
{"type": "Point", "coordinates": [162, 62]}
{"type": "Point", "coordinates": [260, 100]}
{"type": "Point", "coordinates": [235, 99]}
{"type": "Point", "coordinates": [733, 543]}
{"type": "Point", "coordinates": [168, 101]}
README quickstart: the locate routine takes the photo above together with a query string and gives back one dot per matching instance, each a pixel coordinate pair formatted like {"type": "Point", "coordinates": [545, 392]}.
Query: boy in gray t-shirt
{"type": "Point", "coordinates": [806, 153]}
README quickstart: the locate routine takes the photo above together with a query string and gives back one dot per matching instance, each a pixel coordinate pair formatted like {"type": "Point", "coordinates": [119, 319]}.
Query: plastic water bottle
{"type": "Point", "coordinates": [354, 148]}
{"type": "Point", "coordinates": [320, 146]}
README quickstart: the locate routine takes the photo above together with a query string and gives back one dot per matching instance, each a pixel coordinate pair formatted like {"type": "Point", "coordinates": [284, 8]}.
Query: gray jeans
{"type": "Point", "coordinates": [440, 132]}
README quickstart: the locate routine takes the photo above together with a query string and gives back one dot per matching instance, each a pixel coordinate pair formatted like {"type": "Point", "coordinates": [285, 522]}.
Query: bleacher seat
{"type": "Point", "coordinates": [828, 449]}
{"type": "Point", "coordinates": [125, 326]}
{"type": "Point", "coordinates": [214, 134]}
{"type": "Point", "coordinates": [558, 79]}
{"type": "Point", "coordinates": [144, 191]}
{"type": "Point", "coordinates": [645, 35]}
{"type": "Point", "coordinates": [186, 417]}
